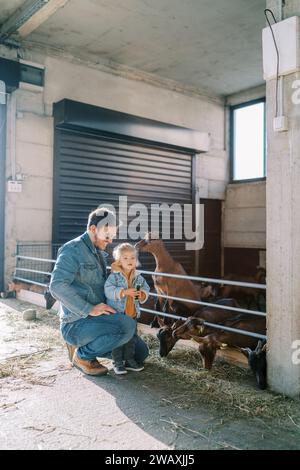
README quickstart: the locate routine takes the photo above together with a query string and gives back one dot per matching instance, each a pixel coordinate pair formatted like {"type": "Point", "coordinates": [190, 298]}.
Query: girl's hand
{"type": "Point", "coordinates": [139, 295]}
{"type": "Point", "coordinates": [142, 296]}
{"type": "Point", "coordinates": [129, 292]}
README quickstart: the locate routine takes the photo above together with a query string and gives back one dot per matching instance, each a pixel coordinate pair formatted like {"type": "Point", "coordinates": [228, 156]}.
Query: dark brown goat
{"type": "Point", "coordinates": [257, 360]}
{"type": "Point", "coordinates": [210, 340]}
{"type": "Point", "coordinates": [247, 295]}
{"type": "Point", "coordinates": [16, 286]}
{"type": "Point", "coordinates": [211, 314]}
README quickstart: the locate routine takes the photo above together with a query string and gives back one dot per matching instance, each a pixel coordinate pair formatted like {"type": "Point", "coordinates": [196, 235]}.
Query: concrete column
{"type": "Point", "coordinates": [2, 188]}
{"type": "Point", "coordinates": [283, 236]}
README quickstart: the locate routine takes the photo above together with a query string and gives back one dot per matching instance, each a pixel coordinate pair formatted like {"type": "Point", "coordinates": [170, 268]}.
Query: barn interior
{"type": "Point", "coordinates": [158, 101]}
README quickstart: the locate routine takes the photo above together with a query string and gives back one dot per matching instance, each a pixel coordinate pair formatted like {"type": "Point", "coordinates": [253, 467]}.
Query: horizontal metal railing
{"type": "Point", "coordinates": [36, 259]}
{"type": "Point", "coordinates": [207, 280]}
{"type": "Point", "coordinates": [27, 270]}
{"type": "Point", "coordinates": [30, 282]}
{"type": "Point", "coordinates": [212, 325]}
{"type": "Point", "coordinates": [209, 304]}
{"type": "Point", "coordinates": [153, 294]}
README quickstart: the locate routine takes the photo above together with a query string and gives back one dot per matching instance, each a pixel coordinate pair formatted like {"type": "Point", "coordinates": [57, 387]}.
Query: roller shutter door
{"type": "Point", "coordinates": [90, 171]}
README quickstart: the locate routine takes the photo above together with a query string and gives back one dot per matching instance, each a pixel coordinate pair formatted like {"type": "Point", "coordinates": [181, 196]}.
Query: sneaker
{"type": "Point", "coordinates": [119, 369]}
{"type": "Point", "coordinates": [131, 364]}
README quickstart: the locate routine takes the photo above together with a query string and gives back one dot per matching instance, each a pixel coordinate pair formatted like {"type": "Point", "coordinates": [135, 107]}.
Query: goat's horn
{"type": "Point", "coordinates": [245, 351]}
{"type": "Point", "coordinates": [200, 328]}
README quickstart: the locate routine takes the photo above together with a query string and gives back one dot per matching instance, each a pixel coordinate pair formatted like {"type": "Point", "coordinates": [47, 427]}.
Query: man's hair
{"type": "Point", "coordinates": [102, 216]}
{"type": "Point", "coordinates": [120, 249]}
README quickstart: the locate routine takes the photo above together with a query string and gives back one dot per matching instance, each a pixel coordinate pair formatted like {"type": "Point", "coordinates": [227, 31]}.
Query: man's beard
{"type": "Point", "coordinates": [99, 242]}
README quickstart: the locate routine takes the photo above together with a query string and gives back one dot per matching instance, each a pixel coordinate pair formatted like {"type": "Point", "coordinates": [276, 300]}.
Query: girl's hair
{"type": "Point", "coordinates": [119, 250]}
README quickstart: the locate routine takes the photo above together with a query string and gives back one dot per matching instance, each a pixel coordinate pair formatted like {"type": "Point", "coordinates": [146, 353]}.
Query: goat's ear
{"type": "Point", "coordinates": [161, 322]}
{"type": "Point", "coordinates": [246, 352]}
{"type": "Point", "coordinates": [197, 339]}
{"type": "Point", "coordinates": [259, 347]}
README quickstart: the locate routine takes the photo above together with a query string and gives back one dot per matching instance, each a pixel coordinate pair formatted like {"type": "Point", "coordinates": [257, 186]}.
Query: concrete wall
{"type": "Point", "coordinates": [29, 214]}
{"type": "Point", "coordinates": [245, 215]}
{"type": "Point", "coordinates": [138, 98]}
{"type": "Point", "coordinates": [245, 203]}
{"type": "Point", "coordinates": [283, 242]}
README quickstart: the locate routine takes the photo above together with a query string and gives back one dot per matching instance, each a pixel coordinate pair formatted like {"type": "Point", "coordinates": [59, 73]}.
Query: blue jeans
{"type": "Point", "coordinates": [98, 336]}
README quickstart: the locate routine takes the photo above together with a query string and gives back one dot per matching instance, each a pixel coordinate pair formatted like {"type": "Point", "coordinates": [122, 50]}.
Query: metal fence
{"type": "Point", "coordinates": [35, 261]}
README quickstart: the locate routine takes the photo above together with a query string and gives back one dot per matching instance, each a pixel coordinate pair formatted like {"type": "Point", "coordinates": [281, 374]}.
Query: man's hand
{"type": "Point", "coordinates": [101, 309]}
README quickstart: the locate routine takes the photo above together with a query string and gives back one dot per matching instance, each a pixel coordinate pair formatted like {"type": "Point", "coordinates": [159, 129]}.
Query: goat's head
{"type": "Point", "coordinates": [190, 328]}
{"type": "Point", "coordinates": [151, 242]}
{"type": "Point", "coordinates": [166, 339]}
{"type": "Point", "coordinates": [257, 361]}
{"type": "Point", "coordinates": [12, 286]}
{"type": "Point", "coordinates": [208, 291]}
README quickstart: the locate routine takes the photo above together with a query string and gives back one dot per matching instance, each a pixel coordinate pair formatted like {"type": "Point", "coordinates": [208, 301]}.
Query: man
{"type": "Point", "coordinates": [77, 281]}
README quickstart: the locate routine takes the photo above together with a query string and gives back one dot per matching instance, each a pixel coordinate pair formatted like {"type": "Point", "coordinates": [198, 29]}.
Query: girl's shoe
{"type": "Point", "coordinates": [131, 364]}
{"type": "Point", "coordinates": [119, 369]}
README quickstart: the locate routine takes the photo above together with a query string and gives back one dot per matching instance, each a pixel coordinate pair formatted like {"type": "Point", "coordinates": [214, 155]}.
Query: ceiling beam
{"type": "Point", "coordinates": [31, 15]}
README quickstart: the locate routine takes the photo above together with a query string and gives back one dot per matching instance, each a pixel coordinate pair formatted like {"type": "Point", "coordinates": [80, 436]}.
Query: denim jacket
{"type": "Point", "coordinates": [115, 283]}
{"type": "Point", "coordinates": [78, 278]}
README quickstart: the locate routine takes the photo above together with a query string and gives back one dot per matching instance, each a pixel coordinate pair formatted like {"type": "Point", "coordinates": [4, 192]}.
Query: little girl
{"type": "Point", "coordinates": [125, 289]}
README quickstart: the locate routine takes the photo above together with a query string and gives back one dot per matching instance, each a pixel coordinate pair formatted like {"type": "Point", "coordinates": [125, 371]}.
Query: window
{"type": "Point", "coordinates": [32, 75]}
{"type": "Point", "coordinates": [248, 141]}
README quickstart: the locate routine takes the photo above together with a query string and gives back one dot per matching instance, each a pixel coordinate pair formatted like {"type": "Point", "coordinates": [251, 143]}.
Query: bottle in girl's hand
{"type": "Point", "coordinates": [138, 288]}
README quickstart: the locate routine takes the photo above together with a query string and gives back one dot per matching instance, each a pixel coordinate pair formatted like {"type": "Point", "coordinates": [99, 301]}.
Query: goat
{"type": "Point", "coordinates": [165, 336]}
{"type": "Point", "coordinates": [16, 286]}
{"type": "Point", "coordinates": [167, 339]}
{"type": "Point", "coordinates": [245, 295]}
{"type": "Point", "coordinates": [210, 340]}
{"type": "Point", "coordinates": [257, 360]}
{"type": "Point", "coordinates": [183, 288]}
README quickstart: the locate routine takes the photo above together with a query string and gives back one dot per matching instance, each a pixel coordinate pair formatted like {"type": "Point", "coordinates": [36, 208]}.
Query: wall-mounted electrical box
{"type": "Point", "coordinates": [14, 186]}
{"type": "Point", "coordinates": [287, 35]}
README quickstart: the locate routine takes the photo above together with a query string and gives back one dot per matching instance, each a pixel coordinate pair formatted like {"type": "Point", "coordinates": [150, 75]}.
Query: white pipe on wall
{"type": "Point", "coordinates": [12, 108]}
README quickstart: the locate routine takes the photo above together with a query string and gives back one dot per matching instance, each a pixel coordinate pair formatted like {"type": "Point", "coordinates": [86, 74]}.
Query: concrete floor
{"type": "Point", "coordinates": [47, 404]}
